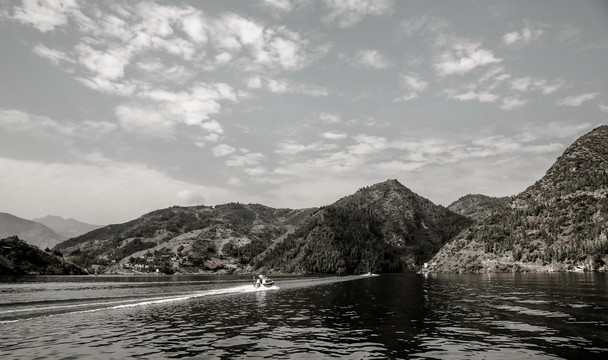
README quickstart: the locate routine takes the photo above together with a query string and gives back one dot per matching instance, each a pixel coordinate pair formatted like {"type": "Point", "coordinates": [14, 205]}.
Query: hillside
{"type": "Point", "coordinates": [198, 239]}
{"type": "Point", "coordinates": [66, 228]}
{"type": "Point", "coordinates": [478, 207]}
{"type": "Point", "coordinates": [385, 227]}
{"type": "Point", "coordinates": [19, 258]}
{"type": "Point", "coordinates": [32, 232]}
{"type": "Point", "coordinates": [559, 223]}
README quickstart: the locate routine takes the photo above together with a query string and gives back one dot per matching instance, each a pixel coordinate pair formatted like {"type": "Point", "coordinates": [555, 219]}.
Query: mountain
{"type": "Point", "coordinates": [385, 227]}
{"type": "Point", "coordinates": [559, 223]}
{"type": "Point", "coordinates": [478, 207]}
{"type": "Point", "coordinates": [32, 232]}
{"type": "Point", "coordinates": [18, 257]}
{"type": "Point", "coordinates": [66, 228]}
{"type": "Point", "coordinates": [198, 239]}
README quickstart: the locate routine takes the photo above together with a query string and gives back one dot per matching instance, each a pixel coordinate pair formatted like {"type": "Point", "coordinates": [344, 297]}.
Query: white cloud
{"type": "Point", "coordinates": [334, 135]}
{"type": "Point", "coordinates": [463, 56]}
{"type": "Point", "coordinates": [372, 59]}
{"type": "Point", "coordinates": [510, 103]}
{"type": "Point", "coordinates": [223, 150]}
{"type": "Point", "coordinates": [483, 96]}
{"type": "Point", "coordinates": [281, 5]}
{"type": "Point", "coordinates": [247, 159]}
{"type": "Point", "coordinates": [577, 100]}
{"type": "Point", "coordinates": [282, 86]}
{"type": "Point", "coordinates": [603, 107]}
{"type": "Point", "coordinates": [330, 118]}
{"type": "Point", "coordinates": [144, 122]}
{"type": "Point", "coordinates": [413, 85]}
{"type": "Point", "coordinates": [16, 120]}
{"type": "Point", "coordinates": [350, 12]}
{"type": "Point", "coordinates": [424, 23]}
{"type": "Point", "coordinates": [293, 148]}
{"type": "Point", "coordinates": [55, 56]}
{"type": "Point", "coordinates": [522, 37]}
{"type": "Point", "coordinates": [45, 15]}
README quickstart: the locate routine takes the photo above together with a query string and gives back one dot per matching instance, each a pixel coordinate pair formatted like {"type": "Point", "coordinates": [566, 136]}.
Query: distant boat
{"type": "Point", "coordinates": [263, 281]}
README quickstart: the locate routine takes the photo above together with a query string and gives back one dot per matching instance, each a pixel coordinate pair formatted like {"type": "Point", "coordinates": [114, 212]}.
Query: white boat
{"type": "Point", "coordinates": [263, 281]}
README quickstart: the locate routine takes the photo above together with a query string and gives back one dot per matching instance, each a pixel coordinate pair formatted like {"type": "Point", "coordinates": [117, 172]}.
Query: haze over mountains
{"type": "Point", "coordinates": [42, 232]}
{"type": "Point", "coordinates": [559, 223]}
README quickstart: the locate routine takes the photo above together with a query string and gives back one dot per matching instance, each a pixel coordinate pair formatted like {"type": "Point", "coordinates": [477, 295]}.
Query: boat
{"type": "Point", "coordinates": [263, 281]}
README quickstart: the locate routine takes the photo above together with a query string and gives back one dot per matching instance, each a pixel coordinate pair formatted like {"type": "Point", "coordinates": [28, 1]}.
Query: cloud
{"type": "Point", "coordinates": [55, 56]}
{"type": "Point", "coordinates": [603, 107]}
{"type": "Point", "coordinates": [522, 37]}
{"type": "Point", "coordinates": [334, 135]}
{"type": "Point", "coordinates": [510, 103]}
{"type": "Point", "coordinates": [425, 23]}
{"type": "Point", "coordinates": [330, 118]}
{"type": "Point", "coordinates": [19, 121]}
{"type": "Point", "coordinates": [349, 12]}
{"type": "Point", "coordinates": [372, 59]}
{"type": "Point", "coordinates": [483, 96]}
{"type": "Point", "coordinates": [577, 100]}
{"type": "Point", "coordinates": [223, 150]}
{"type": "Point", "coordinates": [463, 56]}
{"type": "Point", "coordinates": [292, 148]}
{"type": "Point", "coordinates": [144, 122]}
{"type": "Point", "coordinates": [45, 15]}
{"type": "Point", "coordinates": [413, 85]}
{"type": "Point", "coordinates": [282, 86]}
{"type": "Point", "coordinates": [281, 5]}
{"type": "Point", "coordinates": [247, 159]}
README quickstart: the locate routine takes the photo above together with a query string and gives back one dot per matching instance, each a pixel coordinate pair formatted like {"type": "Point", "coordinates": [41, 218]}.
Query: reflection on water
{"type": "Point", "coordinates": [545, 316]}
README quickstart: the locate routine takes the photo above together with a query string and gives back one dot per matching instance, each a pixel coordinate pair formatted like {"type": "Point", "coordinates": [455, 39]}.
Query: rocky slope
{"type": "Point", "coordinates": [385, 227]}
{"type": "Point", "coordinates": [559, 223]}
{"type": "Point", "coordinates": [32, 232]}
{"type": "Point", "coordinates": [66, 228]}
{"type": "Point", "coordinates": [199, 239]}
{"type": "Point", "coordinates": [478, 207]}
{"type": "Point", "coordinates": [19, 258]}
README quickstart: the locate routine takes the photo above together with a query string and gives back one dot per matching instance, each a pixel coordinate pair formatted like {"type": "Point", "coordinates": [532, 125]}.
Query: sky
{"type": "Point", "coordinates": [110, 110]}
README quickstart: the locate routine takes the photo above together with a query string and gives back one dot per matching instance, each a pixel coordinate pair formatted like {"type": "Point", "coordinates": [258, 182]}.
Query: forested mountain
{"type": "Point", "coordinates": [559, 223]}
{"type": "Point", "coordinates": [478, 207]}
{"type": "Point", "coordinates": [385, 227]}
{"type": "Point", "coordinates": [224, 238]}
{"type": "Point", "coordinates": [66, 228]}
{"type": "Point", "coordinates": [20, 258]}
{"type": "Point", "coordinates": [32, 232]}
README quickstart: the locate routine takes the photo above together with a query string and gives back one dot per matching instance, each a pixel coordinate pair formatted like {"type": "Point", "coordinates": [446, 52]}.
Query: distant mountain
{"type": "Point", "coordinates": [18, 257]}
{"type": "Point", "coordinates": [559, 223]}
{"type": "Point", "coordinates": [66, 228]}
{"type": "Point", "coordinates": [32, 232]}
{"type": "Point", "coordinates": [479, 207]}
{"type": "Point", "coordinates": [198, 239]}
{"type": "Point", "coordinates": [385, 227]}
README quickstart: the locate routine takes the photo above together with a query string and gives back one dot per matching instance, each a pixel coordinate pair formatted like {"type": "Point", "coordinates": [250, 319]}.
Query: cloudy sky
{"type": "Point", "coordinates": [109, 110]}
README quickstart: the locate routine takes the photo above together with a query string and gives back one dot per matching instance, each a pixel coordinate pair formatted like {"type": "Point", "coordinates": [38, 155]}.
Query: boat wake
{"type": "Point", "coordinates": [9, 315]}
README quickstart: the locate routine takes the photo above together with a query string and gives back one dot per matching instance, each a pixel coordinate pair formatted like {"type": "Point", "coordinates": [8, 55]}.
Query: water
{"type": "Point", "coordinates": [396, 316]}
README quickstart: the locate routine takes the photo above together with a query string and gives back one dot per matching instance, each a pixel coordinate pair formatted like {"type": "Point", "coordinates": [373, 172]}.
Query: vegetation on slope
{"type": "Point", "coordinates": [196, 239]}
{"type": "Point", "coordinates": [18, 257]}
{"type": "Point", "coordinates": [385, 227]}
{"type": "Point", "coordinates": [559, 223]}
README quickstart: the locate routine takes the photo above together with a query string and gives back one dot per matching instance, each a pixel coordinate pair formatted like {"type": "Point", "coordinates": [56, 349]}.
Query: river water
{"type": "Point", "coordinates": [394, 316]}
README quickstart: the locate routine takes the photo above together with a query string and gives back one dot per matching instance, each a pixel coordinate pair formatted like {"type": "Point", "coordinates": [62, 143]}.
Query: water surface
{"type": "Point", "coordinates": [399, 316]}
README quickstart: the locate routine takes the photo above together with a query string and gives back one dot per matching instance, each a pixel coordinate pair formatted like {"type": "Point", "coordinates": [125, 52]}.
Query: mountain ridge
{"type": "Point", "coordinates": [32, 232]}
{"type": "Point", "coordinates": [559, 223]}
